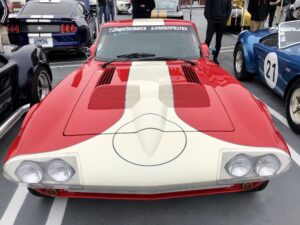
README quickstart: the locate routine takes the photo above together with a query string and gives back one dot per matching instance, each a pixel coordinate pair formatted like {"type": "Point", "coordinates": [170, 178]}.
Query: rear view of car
{"type": "Point", "coordinates": [167, 9]}
{"type": "Point", "coordinates": [65, 25]}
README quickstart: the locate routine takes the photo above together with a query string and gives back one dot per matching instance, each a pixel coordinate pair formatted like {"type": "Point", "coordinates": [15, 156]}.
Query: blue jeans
{"type": "Point", "coordinates": [110, 10]}
{"type": "Point", "coordinates": [102, 12]}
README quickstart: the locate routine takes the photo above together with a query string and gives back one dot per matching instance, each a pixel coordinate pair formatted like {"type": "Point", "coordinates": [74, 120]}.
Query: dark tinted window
{"type": "Point", "coordinates": [46, 8]}
{"type": "Point", "coordinates": [163, 41]}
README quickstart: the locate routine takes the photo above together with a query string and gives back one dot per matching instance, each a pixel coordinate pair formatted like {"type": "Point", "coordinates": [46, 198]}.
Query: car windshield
{"type": "Point", "coordinates": [289, 33]}
{"type": "Point", "coordinates": [47, 8]}
{"type": "Point", "coordinates": [166, 5]}
{"type": "Point", "coordinates": [161, 41]}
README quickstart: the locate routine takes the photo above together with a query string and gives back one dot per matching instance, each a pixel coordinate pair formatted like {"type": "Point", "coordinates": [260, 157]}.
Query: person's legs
{"type": "Point", "coordinates": [210, 30]}
{"type": "Point", "coordinates": [220, 28]}
{"type": "Point", "coordinates": [112, 11]}
{"type": "Point", "coordinates": [271, 15]}
{"type": "Point", "coordinates": [255, 25]}
{"type": "Point", "coordinates": [100, 13]}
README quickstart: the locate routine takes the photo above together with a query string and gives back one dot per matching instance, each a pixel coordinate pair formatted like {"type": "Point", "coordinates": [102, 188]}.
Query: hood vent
{"type": "Point", "coordinates": [106, 76]}
{"type": "Point", "coordinates": [190, 75]}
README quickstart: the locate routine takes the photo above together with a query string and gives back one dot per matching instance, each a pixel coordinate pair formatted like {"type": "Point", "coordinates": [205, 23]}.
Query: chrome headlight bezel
{"type": "Point", "coordinates": [34, 167]}
{"type": "Point", "coordinates": [52, 167]}
{"type": "Point", "coordinates": [247, 165]}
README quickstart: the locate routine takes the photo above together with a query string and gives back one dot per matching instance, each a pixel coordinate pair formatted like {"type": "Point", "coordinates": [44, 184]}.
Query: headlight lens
{"type": "Point", "coordinates": [239, 166]}
{"type": "Point", "coordinates": [267, 166]}
{"type": "Point", "coordinates": [29, 172]}
{"type": "Point", "coordinates": [60, 171]}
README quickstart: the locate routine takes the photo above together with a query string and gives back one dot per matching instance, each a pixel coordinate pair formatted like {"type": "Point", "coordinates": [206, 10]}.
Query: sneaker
{"type": "Point", "coordinates": [216, 61]}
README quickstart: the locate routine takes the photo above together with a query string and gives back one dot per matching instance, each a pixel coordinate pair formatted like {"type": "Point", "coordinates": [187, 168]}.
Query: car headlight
{"type": "Point", "coordinates": [29, 172]}
{"type": "Point", "coordinates": [239, 166]}
{"type": "Point", "coordinates": [267, 166]}
{"type": "Point", "coordinates": [60, 171]}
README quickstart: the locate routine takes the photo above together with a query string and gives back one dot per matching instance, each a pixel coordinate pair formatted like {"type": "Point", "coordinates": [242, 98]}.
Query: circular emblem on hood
{"type": "Point", "coordinates": [149, 140]}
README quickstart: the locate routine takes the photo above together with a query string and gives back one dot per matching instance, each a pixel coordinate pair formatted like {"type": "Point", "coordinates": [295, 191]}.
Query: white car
{"type": "Point", "coordinates": [122, 6]}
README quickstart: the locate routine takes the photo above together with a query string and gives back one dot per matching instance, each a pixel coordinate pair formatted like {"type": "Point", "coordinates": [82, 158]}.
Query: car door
{"type": "Point", "coordinates": [271, 65]}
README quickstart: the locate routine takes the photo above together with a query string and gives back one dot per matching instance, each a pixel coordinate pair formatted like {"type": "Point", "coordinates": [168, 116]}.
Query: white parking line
{"type": "Point", "coordinates": [57, 211]}
{"type": "Point", "coordinates": [65, 66]}
{"type": "Point", "coordinates": [295, 155]}
{"type": "Point", "coordinates": [228, 47]}
{"type": "Point", "coordinates": [66, 62]}
{"type": "Point", "coordinates": [14, 206]}
{"type": "Point", "coordinates": [230, 50]}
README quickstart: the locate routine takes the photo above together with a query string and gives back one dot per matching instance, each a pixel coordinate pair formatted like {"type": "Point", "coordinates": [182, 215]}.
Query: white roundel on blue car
{"type": "Point", "coordinates": [271, 69]}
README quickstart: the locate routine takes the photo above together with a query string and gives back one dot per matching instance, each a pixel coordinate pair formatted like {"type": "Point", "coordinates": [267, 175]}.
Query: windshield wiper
{"type": "Point", "coordinates": [128, 57]}
{"type": "Point", "coordinates": [166, 58]}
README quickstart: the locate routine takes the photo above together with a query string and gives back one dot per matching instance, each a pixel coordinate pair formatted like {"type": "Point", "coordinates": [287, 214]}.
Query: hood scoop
{"type": "Point", "coordinates": [107, 76]}
{"type": "Point", "coordinates": [190, 75]}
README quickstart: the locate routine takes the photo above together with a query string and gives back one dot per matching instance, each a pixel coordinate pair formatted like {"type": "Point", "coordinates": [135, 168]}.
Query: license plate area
{"type": "Point", "coordinates": [42, 41]}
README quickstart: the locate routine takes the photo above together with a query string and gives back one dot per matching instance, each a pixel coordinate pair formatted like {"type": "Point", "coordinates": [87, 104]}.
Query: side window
{"type": "Point", "coordinates": [79, 10]}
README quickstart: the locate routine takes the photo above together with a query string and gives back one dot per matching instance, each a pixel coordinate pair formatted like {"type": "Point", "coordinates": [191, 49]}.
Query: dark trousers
{"type": "Point", "coordinates": [138, 15]}
{"type": "Point", "coordinates": [217, 28]}
{"type": "Point", "coordinates": [272, 10]}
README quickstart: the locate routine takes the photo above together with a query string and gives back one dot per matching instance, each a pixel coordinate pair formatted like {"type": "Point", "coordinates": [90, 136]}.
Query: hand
{"type": "Point", "coordinates": [272, 3]}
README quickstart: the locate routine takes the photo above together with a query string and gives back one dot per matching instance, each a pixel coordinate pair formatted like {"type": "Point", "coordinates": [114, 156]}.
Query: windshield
{"type": "Point", "coordinates": [166, 5]}
{"type": "Point", "coordinates": [289, 33]}
{"type": "Point", "coordinates": [47, 8]}
{"type": "Point", "coordinates": [162, 41]}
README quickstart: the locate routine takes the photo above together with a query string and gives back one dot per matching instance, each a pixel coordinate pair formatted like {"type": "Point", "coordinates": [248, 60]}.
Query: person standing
{"type": "Point", "coordinates": [4, 40]}
{"type": "Point", "coordinates": [142, 8]}
{"type": "Point", "coordinates": [102, 11]}
{"type": "Point", "coordinates": [272, 10]}
{"type": "Point", "coordinates": [110, 10]}
{"type": "Point", "coordinates": [217, 13]}
{"type": "Point", "coordinates": [259, 10]}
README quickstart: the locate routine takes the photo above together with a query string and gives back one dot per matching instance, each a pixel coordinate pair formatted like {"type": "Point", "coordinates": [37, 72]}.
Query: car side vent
{"type": "Point", "coordinates": [190, 75]}
{"type": "Point", "coordinates": [106, 76]}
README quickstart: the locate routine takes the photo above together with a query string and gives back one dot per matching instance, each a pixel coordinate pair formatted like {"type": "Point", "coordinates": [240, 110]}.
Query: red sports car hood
{"type": "Point", "coordinates": [143, 95]}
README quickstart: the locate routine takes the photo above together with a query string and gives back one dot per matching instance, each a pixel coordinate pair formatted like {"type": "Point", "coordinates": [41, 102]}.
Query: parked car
{"type": "Point", "coordinates": [147, 121]}
{"type": "Point", "coordinates": [235, 21]}
{"type": "Point", "coordinates": [273, 56]}
{"type": "Point", "coordinates": [25, 77]}
{"type": "Point", "coordinates": [55, 25]}
{"type": "Point", "coordinates": [122, 6]}
{"type": "Point", "coordinates": [167, 9]}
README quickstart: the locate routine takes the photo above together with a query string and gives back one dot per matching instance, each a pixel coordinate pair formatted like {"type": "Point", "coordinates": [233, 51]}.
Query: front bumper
{"type": "Point", "coordinates": [65, 193]}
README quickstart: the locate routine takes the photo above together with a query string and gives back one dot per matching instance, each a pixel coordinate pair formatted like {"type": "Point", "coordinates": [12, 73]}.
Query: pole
{"type": "Point", "coordinates": [243, 14]}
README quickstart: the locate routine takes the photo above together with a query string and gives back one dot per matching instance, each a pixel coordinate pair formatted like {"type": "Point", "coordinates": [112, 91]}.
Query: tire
{"type": "Point", "coordinates": [260, 187]}
{"type": "Point", "coordinates": [40, 85]}
{"type": "Point", "coordinates": [292, 106]}
{"type": "Point", "coordinates": [239, 65]}
{"type": "Point", "coordinates": [37, 194]}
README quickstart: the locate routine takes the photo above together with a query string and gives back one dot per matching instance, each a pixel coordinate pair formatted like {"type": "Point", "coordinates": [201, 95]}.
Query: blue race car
{"type": "Point", "coordinates": [53, 24]}
{"type": "Point", "coordinates": [25, 78]}
{"type": "Point", "coordinates": [274, 57]}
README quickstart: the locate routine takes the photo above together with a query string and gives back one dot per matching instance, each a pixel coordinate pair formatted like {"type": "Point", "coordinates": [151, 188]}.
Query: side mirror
{"type": "Point", "coordinates": [204, 50]}
{"type": "Point", "coordinates": [87, 52]}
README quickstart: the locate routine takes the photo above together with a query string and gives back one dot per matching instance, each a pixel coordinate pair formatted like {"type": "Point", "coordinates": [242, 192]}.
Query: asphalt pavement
{"type": "Point", "coordinates": [277, 205]}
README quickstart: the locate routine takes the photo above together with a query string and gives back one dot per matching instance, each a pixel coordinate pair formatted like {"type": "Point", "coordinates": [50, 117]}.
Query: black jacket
{"type": "Point", "coordinates": [100, 2]}
{"type": "Point", "coordinates": [3, 12]}
{"type": "Point", "coordinates": [140, 12]}
{"type": "Point", "coordinates": [217, 10]}
{"type": "Point", "coordinates": [259, 9]}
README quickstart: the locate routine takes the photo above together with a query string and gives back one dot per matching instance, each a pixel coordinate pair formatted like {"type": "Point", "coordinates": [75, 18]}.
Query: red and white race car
{"type": "Point", "coordinates": [148, 116]}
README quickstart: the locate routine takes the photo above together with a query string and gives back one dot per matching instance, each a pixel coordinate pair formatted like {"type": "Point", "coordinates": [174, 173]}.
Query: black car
{"type": "Point", "coordinates": [167, 9]}
{"type": "Point", "coordinates": [25, 78]}
{"type": "Point", "coordinates": [55, 25]}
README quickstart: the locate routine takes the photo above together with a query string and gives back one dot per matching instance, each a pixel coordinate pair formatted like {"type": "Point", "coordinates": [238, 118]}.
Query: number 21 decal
{"type": "Point", "coordinates": [271, 69]}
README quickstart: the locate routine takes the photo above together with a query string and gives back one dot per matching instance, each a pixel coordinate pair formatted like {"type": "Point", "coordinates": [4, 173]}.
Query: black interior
{"type": "Point", "coordinates": [3, 61]}
{"type": "Point", "coordinates": [270, 40]}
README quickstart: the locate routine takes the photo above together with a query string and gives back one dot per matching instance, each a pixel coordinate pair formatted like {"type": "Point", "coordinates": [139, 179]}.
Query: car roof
{"type": "Point", "coordinates": [148, 22]}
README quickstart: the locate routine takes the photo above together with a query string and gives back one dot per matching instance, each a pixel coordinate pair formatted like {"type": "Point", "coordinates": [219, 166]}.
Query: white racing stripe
{"type": "Point", "coordinates": [65, 66]}
{"type": "Point", "coordinates": [14, 206]}
{"type": "Point", "coordinates": [57, 211]}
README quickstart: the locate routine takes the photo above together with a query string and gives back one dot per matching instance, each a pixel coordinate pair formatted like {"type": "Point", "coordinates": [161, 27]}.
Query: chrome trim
{"type": "Point", "coordinates": [13, 119]}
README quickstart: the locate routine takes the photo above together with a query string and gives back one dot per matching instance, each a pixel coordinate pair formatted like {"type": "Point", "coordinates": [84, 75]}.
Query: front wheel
{"type": "Point", "coordinates": [293, 107]}
{"type": "Point", "coordinates": [40, 85]}
{"type": "Point", "coordinates": [239, 65]}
